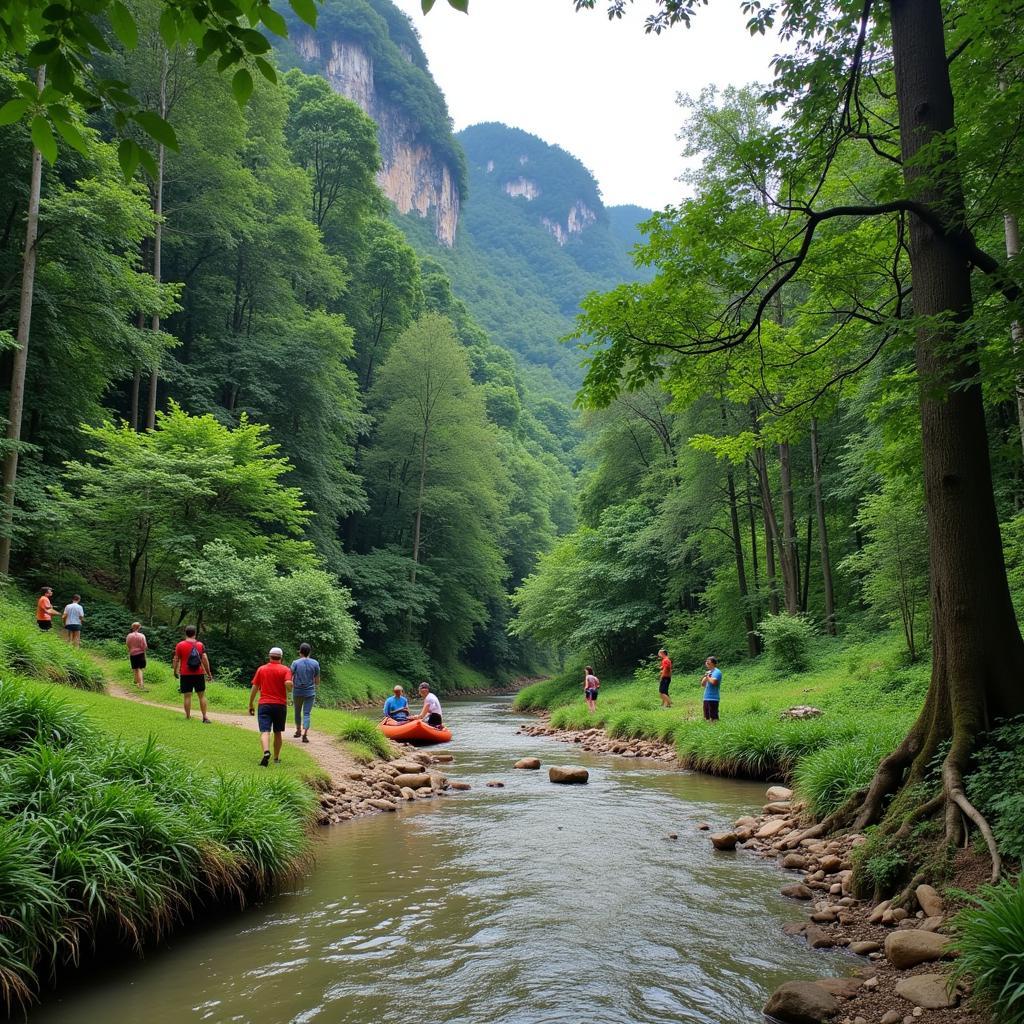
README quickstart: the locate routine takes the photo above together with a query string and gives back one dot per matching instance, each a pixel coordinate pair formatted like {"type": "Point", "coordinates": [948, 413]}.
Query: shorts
{"type": "Point", "coordinates": [711, 710]}
{"type": "Point", "coordinates": [434, 720]}
{"type": "Point", "coordinates": [138, 660]}
{"type": "Point", "coordinates": [272, 717]}
{"type": "Point", "coordinates": [72, 628]}
{"type": "Point", "coordinates": [43, 623]}
{"type": "Point", "coordinates": [590, 694]}
{"type": "Point", "coordinates": [188, 684]}
{"type": "Point", "coordinates": [664, 683]}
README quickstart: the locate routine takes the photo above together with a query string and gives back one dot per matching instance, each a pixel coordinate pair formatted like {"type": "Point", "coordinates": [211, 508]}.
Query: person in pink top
{"type": "Point", "coordinates": [137, 646]}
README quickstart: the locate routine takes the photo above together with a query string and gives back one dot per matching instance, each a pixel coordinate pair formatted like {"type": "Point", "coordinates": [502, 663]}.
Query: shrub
{"type": "Point", "coordinates": [990, 942]}
{"type": "Point", "coordinates": [996, 785]}
{"type": "Point", "coordinates": [364, 733]}
{"type": "Point", "coordinates": [788, 640]}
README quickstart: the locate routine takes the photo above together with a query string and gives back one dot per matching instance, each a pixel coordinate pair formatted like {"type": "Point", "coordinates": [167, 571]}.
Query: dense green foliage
{"type": "Point", "coordinates": [996, 785]}
{"type": "Point", "coordinates": [990, 944]}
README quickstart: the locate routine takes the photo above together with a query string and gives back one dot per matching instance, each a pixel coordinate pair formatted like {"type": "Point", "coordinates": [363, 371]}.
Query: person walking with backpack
{"type": "Point", "coordinates": [192, 669]}
{"type": "Point", "coordinates": [305, 684]}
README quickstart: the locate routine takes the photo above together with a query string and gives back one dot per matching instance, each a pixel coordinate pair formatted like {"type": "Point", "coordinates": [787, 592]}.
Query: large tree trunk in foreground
{"type": "Point", "coordinates": [978, 657]}
{"type": "Point", "coordinates": [17, 399]}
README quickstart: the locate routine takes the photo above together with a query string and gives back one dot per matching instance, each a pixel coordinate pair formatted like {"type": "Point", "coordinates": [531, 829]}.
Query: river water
{"type": "Point", "coordinates": [531, 904]}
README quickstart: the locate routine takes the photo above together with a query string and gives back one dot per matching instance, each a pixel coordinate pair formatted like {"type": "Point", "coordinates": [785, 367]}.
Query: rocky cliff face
{"type": "Point", "coordinates": [412, 177]}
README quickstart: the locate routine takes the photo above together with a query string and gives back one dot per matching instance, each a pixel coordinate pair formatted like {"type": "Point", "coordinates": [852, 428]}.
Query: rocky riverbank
{"type": "Point", "coordinates": [897, 954]}
{"type": "Point", "coordinates": [381, 786]}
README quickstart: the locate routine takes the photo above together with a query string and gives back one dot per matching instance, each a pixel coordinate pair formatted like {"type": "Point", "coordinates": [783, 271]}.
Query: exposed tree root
{"type": "Point", "coordinates": [954, 789]}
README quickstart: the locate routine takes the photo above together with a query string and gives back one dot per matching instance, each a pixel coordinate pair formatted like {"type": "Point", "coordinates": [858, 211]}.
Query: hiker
{"type": "Point", "coordinates": [431, 713]}
{"type": "Point", "coordinates": [591, 684]}
{"type": "Point", "coordinates": [192, 669]}
{"type": "Point", "coordinates": [72, 617]}
{"type": "Point", "coordinates": [305, 683]}
{"type": "Point", "coordinates": [137, 645]}
{"type": "Point", "coordinates": [44, 608]}
{"type": "Point", "coordinates": [712, 683]}
{"type": "Point", "coordinates": [665, 679]}
{"type": "Point", "coordinates": [396, 707]}
{"type": "Point", "coordinates": [272, 682]}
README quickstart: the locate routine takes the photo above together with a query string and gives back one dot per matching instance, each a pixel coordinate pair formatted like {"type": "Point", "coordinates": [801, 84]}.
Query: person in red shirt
{"type": "Point", "coordinates": [665, 679]}
{"type": "Point", "coordinates": [273, 682]}
{"type": "Point", "coordinates": [44, 609]}
{"type": "Point", "coordinates": [192, 668]}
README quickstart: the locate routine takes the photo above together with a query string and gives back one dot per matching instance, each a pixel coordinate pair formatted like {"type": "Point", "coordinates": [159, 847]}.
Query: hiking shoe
{"type": "Point", "coordinates": [265, 759]}
{"type": "Point", "coordinates": [207, 721]}
{"type": "Point", "coordinates": [297, 733]}
{"type": "Point", "coordinates": [305, 738]}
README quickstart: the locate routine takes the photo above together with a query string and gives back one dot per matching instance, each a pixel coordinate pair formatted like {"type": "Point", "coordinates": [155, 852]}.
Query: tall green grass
{"type": "Point", "coordinates": [98, 835]}
{"type": "Point", "coordinates": [364, 739]}
{"type": "Point", "coordinates": [990, 943]}
{"type": "Point", "coordinates": [26, 650]}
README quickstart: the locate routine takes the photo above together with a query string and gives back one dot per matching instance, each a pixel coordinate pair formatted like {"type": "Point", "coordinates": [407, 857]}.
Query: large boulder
{"type": "Point", "coordinates": [776, 793]}
{"type": "Point", "coordinates": [911, 947]}
{"type": "Point", "coordinates": [929, 901]}
{"type": "Point", "coordinates": [797, 891]}
{"type": "Point", "coordinates": [411, 781]}
{"type": "Point", "coordinates": [801, 1002]}
{"type": "Point", "coordinates": [567, 775]}
{"type": "Point", "coordinates": [771, 828]}
{"type": "Point", "coordinates": [724, 840]}
{"type": "Point", "coordinates": [927, 990]}
{"type": "Point", "coordinates": [531, 763]}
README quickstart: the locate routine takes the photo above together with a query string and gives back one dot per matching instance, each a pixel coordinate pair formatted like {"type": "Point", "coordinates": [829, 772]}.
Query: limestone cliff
{"type": "Point", "coordinates": [412, 175]}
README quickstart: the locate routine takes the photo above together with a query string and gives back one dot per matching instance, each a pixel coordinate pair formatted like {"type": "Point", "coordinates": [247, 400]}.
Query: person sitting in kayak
{"type": "Point", "coordinates": [397, 707]}
{"type": "Point", "coordinates": [431, 713]}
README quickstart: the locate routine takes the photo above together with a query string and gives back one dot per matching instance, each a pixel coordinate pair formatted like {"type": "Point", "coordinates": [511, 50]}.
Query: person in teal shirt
{"type": "Point", "coordinates": [397, 707]}
{"type": "Point", "coordinates": [712, 683]}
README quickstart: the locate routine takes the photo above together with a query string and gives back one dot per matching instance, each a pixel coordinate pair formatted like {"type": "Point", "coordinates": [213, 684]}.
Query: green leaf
{"type": "Point", "coordinates": [460, 5]}
{"type": "Point", "coordinates": [255, 42]}
{"type": "Point", "coordinates": [128, 155]}
{"type": "Point", "coordinates": [42, 138]}
{"type": "Point", "coordinates": [273, 21]}
{"type": "Point", "coordinates": [13, 110]}
{"type": "Point", "coordinates": [267, 70]}
{"type": "Point", "coordinates": [427, 5]}
{"type": "Point", "coordinates": [169, 26]}
{"type": "Point", "coordinates": [148, 163]}
{"type": "Point", "coordinates": [241, 86]}
{"type": "Point", "coordinates": [305, 9]}
{"type": "Point", "coordinates": [72, 136]}
{"type": "Point", "coordinates": [123, 24]}
{"type": "Point", "coordinates": [157, 128]}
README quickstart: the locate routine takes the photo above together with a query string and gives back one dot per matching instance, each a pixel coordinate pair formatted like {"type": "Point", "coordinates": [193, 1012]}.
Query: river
{"type": "Point", "coordinates": [532, 904]}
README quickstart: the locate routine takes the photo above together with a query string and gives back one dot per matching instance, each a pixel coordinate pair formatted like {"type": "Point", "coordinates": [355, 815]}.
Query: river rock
{"type": "Point", "coordinates": [421, 757]}
{"type": "Point", "coordinates": [797, 891]}
{"type": "Point", "coordinates": [744, 821]}
{"type": "Point", "coordinates": [794, 928]}
{"type": "Point", "coordinates": [568, 776]}
{"type": "Point", "coordinates": [927, 990]}
{"type": "Point", "coordinates": [407, 793]}
{"type": "Point", "coordinates": [441, 759]}
{"type": "Point", "coordinates": [912, 947]}
{"type": "Point", "coordinates": [864, 947]}
{"type": "Point", "coordinates": [461, 786]}
{"type": "Point", "coordinates": [929, 901]}
{"type": "Point", "coordinates": [412, 781]}
{"type": "Point", "coordinates": [830, 864]}
{"type": "Point", "coordinates": [892, 1017]}
{"type": "Point", "coordinates": [724, 840]}
{"type": "Point", "coordinates": [841, 988]}
{"type": "Point", "coordinates": [532, 763]}
{"type": "Point", "coordinates": [801, 1002]}
{"type": "Point", "coordinates": [382, 805]}
{"type": "Point", "coordinates": [794, 862]}
{"type": "Point", "coordinates": [780, 807]}
{"type": "Point", "coordinates": [438, 781]}
{"type": "Point", "coordinates": [495, 784]}
{"type": "Point", "coordinates": [930, 924]}
{"type": "Point", "coordinates": [877, 914]}
{"type": "Point", "coordinates": [407, 767]}
{"type": "Point", "coordinates": [771, 828]}
{"type": "Point", "coordinates": [776, 793]}
{"type": "Point", "coordinates": [818, 938]}
{"type": "Point", "coordinates": [826, 916]}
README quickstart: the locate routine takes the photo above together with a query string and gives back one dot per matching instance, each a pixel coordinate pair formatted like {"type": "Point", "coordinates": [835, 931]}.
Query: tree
{"type": "Point", "coordinates": [972, 613]}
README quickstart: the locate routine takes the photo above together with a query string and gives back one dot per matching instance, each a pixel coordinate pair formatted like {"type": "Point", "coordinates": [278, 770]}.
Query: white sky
{"type": "Point", "coordinates": [605, 91]}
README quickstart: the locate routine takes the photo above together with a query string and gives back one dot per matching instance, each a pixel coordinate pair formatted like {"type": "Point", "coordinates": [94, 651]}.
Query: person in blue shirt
{"type": "Point", "coordinates": [305, 683]}
{"type": "Point", "coordinates": [397, 707]}
{"type": "Point", "coordinates": [712, 683]}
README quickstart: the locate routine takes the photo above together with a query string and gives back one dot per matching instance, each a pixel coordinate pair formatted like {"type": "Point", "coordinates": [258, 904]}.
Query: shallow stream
{"type": "Point", "coordinates": [531, 904]}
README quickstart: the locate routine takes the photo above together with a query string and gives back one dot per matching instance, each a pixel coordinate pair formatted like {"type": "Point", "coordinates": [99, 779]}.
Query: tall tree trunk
{"type": "Point", "coordinates": [158, 227]}
{"type": "Point", "coordinates": [788, 553]}
{"type": "Point", "coordinates": [805, 584]}
{"type": "Point", "coordinates": [16, 404]}
{"type": "Point", "coordinates": [978, 654]}
{"type": "Point", "coordinates": [771, 530]}
{"type": "Point", "coordinates": [417, 523]}
{"type": "Point", "coordinates": [752, 523]}
{"type": "Point", "coordinates": [819, 508]}
{"type": "Point", "coordinates": [753, 647]}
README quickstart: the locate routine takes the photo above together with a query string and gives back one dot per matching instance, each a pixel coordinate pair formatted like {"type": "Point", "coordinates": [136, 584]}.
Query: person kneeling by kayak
{"type": "Point", "coordinates": [397, 707]}
{"type": "Point", "coordinates": [431, 713]}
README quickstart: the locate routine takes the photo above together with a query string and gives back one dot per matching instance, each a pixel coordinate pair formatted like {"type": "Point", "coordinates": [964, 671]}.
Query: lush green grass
{"type": "Point", "coordinates": [98, 833]}
{"type": "Point", "coordinates": [357, 681]}
{"type": "Point", "coordinates": [868, 695]}
{"type": "Point", "coordinates": [990, 941]}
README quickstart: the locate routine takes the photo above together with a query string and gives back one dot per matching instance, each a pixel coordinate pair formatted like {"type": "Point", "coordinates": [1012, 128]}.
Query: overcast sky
{"type": "Point", "coordinates": [603, 90]}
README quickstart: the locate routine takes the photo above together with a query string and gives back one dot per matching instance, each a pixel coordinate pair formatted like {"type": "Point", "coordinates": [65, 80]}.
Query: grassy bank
{"type": "Point", "coordinates": [867, 694]}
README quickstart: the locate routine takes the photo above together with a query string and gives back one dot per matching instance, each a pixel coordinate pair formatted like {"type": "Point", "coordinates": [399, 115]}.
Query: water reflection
{"type": "Point", "coordinates": [531, 904]}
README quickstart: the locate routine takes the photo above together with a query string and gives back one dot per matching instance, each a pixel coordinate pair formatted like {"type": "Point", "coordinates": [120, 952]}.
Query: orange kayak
{"type": "Point", "coordinates": [414, 731]}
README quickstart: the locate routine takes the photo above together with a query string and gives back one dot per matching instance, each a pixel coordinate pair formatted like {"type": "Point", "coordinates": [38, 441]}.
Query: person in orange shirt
{"type": "Point", "coordinates": [665, 679]}
{"type": "Point", "coordinates": [44, 609]}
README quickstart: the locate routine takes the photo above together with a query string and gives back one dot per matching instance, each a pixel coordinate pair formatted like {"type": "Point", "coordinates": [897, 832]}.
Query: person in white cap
{"type": "Point", "coordinates": [272, 682]}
